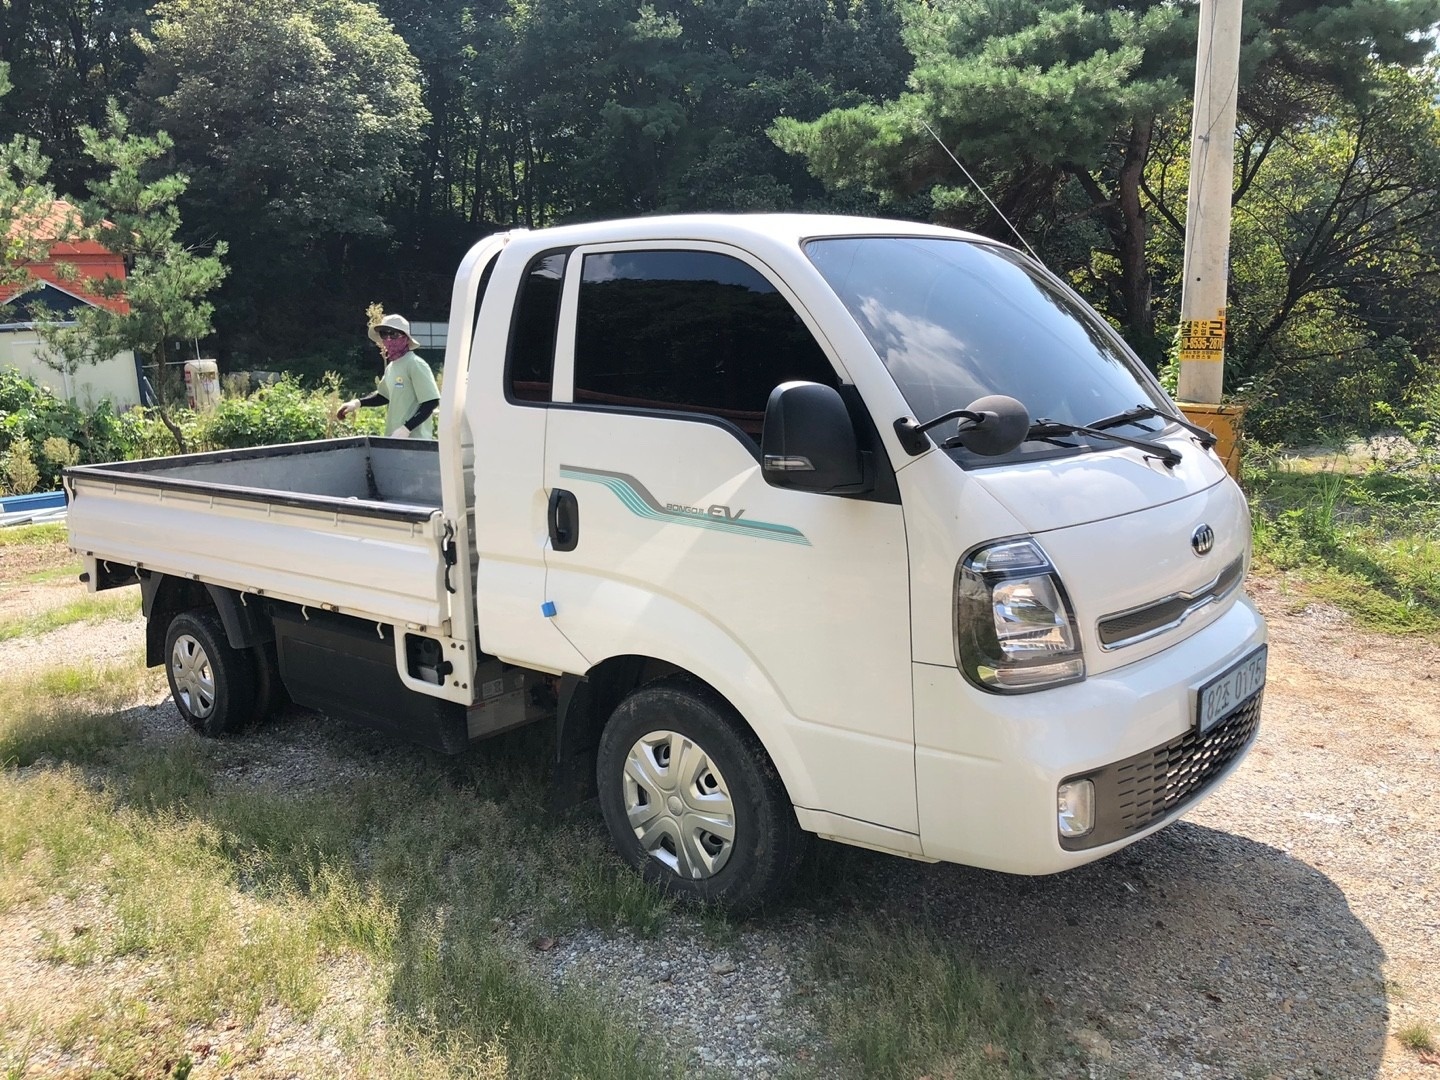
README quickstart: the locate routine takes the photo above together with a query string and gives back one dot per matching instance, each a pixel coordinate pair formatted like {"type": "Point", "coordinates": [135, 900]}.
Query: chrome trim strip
{"type": "Point", "coordinates": [1203, 597]}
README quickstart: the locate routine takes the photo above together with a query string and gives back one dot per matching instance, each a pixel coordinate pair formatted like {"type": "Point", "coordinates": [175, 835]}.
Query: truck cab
{"type": "Point", "coordinates": [1019, 660]}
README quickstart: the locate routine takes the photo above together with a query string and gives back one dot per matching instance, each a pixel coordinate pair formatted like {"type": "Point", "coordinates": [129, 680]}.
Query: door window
{"type": "Point", "coordinates": [688, 331]}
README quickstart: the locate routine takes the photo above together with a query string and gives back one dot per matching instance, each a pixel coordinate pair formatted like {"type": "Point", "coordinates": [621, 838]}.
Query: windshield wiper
{"type": "Point", "coordinates": [1048, 429]}
{"type": "Point", "coordinates": [1148, 412]}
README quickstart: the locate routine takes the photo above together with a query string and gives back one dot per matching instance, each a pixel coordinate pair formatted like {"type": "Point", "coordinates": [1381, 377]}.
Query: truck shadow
{"type": "Point", "coordinates": [1195, 952]}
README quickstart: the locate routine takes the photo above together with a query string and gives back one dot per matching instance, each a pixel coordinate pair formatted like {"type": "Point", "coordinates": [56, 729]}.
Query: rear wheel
{"type": "Point", "coordinates": [212, 683]}
{"type": "Point", "coordinates": [692, 800]}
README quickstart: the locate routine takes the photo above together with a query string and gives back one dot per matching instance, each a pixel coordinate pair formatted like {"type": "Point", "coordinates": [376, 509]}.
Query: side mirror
{"type": "Point", "coordinates": [991, 426]}
{"type": "Point", "coordinates": [809, 442]}
{"type": "Point", "coordinates": [997, 425]}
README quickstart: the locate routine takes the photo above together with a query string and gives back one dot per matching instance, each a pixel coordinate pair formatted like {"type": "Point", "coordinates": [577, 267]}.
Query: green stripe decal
{"type": "Point", "coordinates": [638, 500]}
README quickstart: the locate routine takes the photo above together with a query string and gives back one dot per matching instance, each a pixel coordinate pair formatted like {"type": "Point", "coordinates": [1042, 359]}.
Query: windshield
{"type": "Point", "coordinates": [955, 320]}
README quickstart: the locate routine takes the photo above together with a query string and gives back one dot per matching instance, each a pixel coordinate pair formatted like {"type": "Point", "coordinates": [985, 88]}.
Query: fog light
{"type": "Point", "coordinates": [1076, 807]}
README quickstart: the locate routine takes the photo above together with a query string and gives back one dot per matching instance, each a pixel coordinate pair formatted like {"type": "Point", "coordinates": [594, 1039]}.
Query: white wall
{"type": "Point", "coordinates": [113, 378]}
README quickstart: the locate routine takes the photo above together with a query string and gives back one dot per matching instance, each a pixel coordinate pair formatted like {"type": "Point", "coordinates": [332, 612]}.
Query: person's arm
{"type": "Point", "coordinates": [365, 402]}
{"type": "Point", "coordinates": [422, 413]}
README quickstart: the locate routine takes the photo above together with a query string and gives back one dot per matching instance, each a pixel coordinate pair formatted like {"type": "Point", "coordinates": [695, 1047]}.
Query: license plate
{"type": "Point", "coordinates": [1219, 697]}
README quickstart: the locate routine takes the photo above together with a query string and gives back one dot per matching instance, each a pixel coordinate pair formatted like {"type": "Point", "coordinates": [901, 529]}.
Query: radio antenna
{"type": "Point", "coordinates": [982, 191]}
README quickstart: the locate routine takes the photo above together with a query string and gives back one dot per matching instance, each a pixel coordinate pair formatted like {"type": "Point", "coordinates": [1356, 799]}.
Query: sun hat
{"type": "Point", "coordinates": [394, 322]}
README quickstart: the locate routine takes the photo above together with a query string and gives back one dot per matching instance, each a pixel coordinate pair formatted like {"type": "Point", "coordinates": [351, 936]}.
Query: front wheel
{"type": "Point", "coordinates": [213, 684]}
{"type": "Point", "coordinates": [692, 800]}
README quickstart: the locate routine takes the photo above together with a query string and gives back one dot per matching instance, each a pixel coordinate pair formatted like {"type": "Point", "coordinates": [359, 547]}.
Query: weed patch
{"type": "Point", "coordinates": [216, 895]}
{"type": "Point", "coordinates": [1417, 1037]}
{"type": "Point", "coordinates": [87, 609]}
{"type": "Point", "coordinates": [53, 533]}
{"type": "Point", "coordinates": [906, 1002]}
{"type": "Point", "coordinates": [69, 714]}
{"type": "Point", "coordinates": [221, 903]}
{"type": "Point", "coordinates": [1363, 538]}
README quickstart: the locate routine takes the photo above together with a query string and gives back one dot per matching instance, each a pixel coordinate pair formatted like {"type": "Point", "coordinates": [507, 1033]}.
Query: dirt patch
{"type": "Point", "coordinates": [78, 645]}
{"type": "Point", "coordinates": [20, 597]}
{"type": "Point", "coordinates": [18, 561]}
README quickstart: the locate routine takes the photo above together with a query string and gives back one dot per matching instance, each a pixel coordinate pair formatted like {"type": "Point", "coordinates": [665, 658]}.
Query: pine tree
{"type": "Point", "coordinates": [166, 284]}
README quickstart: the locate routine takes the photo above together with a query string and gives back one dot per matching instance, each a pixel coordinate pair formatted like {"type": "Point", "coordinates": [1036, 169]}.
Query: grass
{"type": "Point", "coordinates": [54, 533]}
{"type": "Point", "coordinates": [1417, 1037]}
{"type": "Point", "coordinates": [120, 604]}
{"type": "Point", "coordinates": [913, 1003]}
{"type": "Point", "coordinates": [70, 570]}
{"type": "Point", "coordinates": [1363, 535]}
{"type": "Point", "coordinates": [68, 714]}
{"type": "Point", "coordinates": [208, 904]}
{"type": "Point", "coordinates": [225, 904]}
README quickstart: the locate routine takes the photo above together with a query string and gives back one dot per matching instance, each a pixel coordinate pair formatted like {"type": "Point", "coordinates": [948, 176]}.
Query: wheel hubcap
{"type": "Point", "coordinates": [194, 679]}
{"type": "Point", "coordinates": [679, 805]}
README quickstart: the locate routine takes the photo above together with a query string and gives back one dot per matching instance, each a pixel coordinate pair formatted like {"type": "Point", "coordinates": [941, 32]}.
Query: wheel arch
{"type": "Point", "coordinates": [163, 596]}
{"type": "Point", "coordinates": [586, 703]}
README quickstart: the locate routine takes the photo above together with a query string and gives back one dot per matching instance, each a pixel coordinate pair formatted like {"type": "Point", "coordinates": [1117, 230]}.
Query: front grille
{"type": "Point", "coordinates": [1135, 793]}
{"type": "Point", "coordinates": [1127, 627]}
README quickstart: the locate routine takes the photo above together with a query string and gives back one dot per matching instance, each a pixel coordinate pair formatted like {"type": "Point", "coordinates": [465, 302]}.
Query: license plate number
{"type": "Point", "coordinates": [1219, 697]}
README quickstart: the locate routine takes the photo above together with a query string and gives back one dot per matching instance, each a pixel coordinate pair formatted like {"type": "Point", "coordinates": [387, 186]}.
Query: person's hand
{"type": "Point", "coordinates": [401, 432]}
{"type": "Point", "coordinates": [353, 405]}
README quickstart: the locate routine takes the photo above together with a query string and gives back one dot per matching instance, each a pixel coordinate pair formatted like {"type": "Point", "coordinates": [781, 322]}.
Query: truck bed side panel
{"type": "Point", "coordinates": [362, 562]}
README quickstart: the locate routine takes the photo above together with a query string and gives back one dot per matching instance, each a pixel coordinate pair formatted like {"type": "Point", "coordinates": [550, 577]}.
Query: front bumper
{"type": "Point", "coordinates": [988, 766]}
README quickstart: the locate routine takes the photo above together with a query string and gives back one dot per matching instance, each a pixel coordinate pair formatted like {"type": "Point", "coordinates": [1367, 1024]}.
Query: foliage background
{"type": "Point", "coordinates": [349, 150]}
{"type": "Point", "coordinates": [50, 433]}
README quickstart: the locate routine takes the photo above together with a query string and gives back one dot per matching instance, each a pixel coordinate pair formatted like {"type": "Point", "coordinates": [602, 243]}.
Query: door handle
{"type": "Point", "coordinates": [564, 520]}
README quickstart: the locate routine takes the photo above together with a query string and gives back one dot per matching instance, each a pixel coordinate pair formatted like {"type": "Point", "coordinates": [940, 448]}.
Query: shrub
{"type": "Point", "coordinates": [60, 452]}
{"type": "Point", "coordinates": [279, 413]}
{"type": "Point", "coordinates": [18, 474]}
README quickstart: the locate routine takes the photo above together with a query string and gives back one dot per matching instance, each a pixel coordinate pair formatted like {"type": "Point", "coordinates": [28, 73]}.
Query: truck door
{"type": "Point", "coordinates": [666, 541]}
{"type": "Point", "coordinates": [515, 336]}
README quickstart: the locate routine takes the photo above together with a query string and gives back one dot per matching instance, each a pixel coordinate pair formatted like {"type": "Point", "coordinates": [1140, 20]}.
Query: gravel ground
{"type": "Point", "coordinates": [1288, 927]}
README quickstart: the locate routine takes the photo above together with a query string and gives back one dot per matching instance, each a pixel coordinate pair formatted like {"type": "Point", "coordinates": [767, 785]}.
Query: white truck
{"type": "Point", "coordinates": [793, 525]}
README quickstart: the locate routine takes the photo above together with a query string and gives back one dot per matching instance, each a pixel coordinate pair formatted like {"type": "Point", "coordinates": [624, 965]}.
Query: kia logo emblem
{"type": "Point", "coordinates": [1202, 540]}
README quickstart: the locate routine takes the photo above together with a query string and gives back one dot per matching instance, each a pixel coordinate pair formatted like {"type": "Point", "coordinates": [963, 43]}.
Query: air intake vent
{"type": "Point", "coordinates": [1133, 794]}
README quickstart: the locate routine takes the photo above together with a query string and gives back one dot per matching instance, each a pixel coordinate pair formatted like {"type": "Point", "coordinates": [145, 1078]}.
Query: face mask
{"type": "Point", "coordinates": [396, 346]}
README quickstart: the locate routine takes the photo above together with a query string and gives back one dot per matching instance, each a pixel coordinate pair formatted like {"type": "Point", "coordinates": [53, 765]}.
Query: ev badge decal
{"type": "Point", "coordinates": [713, 510]}
{"type": "Point", "coordinates": [718, 517]}
{"type": "Point", "coordinates": [1202, 540]}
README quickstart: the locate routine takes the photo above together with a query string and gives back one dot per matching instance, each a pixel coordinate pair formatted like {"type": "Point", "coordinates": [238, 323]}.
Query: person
{"type": "Point", "coordinates": [407, 389]}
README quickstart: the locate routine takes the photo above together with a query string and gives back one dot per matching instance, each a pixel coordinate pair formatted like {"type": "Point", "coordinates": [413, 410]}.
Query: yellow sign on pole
{"type": "Point", "coordinates": [1203, 339]}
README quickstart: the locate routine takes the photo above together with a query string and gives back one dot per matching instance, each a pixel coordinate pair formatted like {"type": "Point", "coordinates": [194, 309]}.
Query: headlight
{"type": "Point", "coordinates": [1014, 628]}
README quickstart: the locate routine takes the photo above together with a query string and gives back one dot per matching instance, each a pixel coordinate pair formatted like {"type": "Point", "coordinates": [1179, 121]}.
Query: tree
{"type": "Point", "coordinates": [1056, 104]}
{"type": "Point", "coordinates": [25, 198]}
{"type": "Point", "coordinates": [295, 120]}
{"type": "Point", "coordinates": [1335, 259]}
{"type": "Point", "coordinates": [167, 284]}
{"type": "Point", "coordinates": [67, 59]}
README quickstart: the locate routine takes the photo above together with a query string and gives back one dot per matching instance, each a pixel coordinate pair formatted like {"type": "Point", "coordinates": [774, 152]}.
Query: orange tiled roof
{"type": "Point", "coordinates": [91, 261]}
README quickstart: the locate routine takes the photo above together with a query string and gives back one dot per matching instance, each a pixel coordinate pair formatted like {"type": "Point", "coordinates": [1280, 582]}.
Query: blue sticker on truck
{"type": "Point", "coordinates": [638, 500]}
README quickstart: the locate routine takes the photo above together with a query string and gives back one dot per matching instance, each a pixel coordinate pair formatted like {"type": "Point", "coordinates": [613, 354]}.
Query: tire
{"type": "Point", "coordinates": [693, 802]}
{"type": "Point", "coordinates": [270, 693]}
{"type": "Point", "coordinates": [213, 684]}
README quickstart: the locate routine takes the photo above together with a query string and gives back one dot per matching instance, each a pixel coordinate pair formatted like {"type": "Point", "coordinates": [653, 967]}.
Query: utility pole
{"type": "Point", "coordinates": [1207, 223]}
